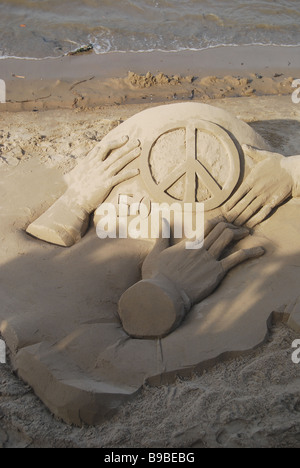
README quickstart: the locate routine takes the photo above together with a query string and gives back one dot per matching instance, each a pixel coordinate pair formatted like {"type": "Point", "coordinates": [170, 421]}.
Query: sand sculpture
{"type": "Point", "coordinates": [84, 368]}
{"type": "Point", "coordinates": [155, 306]}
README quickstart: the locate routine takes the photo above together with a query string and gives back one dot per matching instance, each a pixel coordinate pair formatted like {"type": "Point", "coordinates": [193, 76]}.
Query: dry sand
{"type": "Point", "coordinates": [250, 401]}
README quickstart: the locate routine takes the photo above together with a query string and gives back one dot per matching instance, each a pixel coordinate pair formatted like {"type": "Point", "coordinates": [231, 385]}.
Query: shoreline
{"type": "Point", "coordinates": [116, 64]}
{"type": "Point", "coordinates": [88, 81]}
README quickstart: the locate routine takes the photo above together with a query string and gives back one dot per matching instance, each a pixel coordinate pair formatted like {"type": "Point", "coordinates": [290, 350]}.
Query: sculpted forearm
{"type": "Point", "coordinates": [64, 223]}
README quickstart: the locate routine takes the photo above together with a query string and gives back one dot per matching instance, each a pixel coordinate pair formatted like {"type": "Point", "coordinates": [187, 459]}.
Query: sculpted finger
{"type": "Point", "coordinates": [94, 153]}
{"type": "Point", "coordinates": [241, 206]}
{"type": "Point", "coordinates": [101, 150]}
{"type": "Point", "coordinates": [124, 161]}
{"type": "Point", "coordinates": [241, 256]}
{"type": "Point", "coordinates": [210, 224]}
{"type": "Point", "coordinates": [260, 216]}
{"type": "Point", "coordinates": [256, 154]}
{"type": "Point", "coordinates": [227, 236]}
{"type": "Point", "coordinates": [126, 175]}
{"type": "Point", "coordinates": [215, 233]}
{"type": "Point", "coordinates": [268, 208]}
{"type": "Point", "coordinates": [241, 192]}
{"type": "Point", "coordinates": [163, 240]}
{"type": "Point", "coordinates": [122, 152]}
{"type": "Point", "coordinates": [161, 244]}
{"type": "Point", "coordinates": [112, 145]}
{"type": "Point", "coordinates": [250, 211]}
{"type": "Point", "coordinates": [259, 155]}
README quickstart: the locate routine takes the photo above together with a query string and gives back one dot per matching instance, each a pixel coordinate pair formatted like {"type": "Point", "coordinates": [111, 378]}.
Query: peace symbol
{"type": "Point", "coordinates": [192, 166]}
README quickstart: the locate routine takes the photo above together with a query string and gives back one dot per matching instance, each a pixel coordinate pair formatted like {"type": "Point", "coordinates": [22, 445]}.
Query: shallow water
{"type": "Point", "coordinates": [51, 28]}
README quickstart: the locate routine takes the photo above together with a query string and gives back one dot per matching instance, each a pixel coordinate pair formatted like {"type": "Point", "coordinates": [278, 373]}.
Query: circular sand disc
{"type": "Point", "coordinates": [191, 161]}
{"type": "Point", "coordinates": [191, 152]}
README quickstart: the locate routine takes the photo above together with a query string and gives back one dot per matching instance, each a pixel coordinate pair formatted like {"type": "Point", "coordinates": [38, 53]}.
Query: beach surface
{"type": "Point", "coordinates": [248, 401]}
{"type": "Point", "coordinates": [89, 80]}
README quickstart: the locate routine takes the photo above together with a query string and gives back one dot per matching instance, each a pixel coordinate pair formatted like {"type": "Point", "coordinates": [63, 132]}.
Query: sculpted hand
{"type": "Point", "coordinates": [93, 179]}
{"type": "Point", "coordinates": [67, 220]}
{"type": "Point", "coordinates": [175, 278]}
{"type": "Point", "coordinates": [269, 184]}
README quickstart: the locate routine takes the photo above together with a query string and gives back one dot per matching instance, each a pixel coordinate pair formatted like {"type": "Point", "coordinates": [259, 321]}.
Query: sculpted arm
{"type": "Point", "coordinates": [174, 279]}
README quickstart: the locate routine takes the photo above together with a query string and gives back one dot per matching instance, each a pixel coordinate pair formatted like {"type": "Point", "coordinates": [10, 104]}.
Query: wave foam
{"type": "Point", "coordinates": [99, 51]}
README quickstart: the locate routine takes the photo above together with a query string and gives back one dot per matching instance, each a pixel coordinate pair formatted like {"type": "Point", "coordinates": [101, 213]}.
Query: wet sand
{"type": "Point", "coordinates": [90, 80]}
{"type": "Point", "coordinates": [226, 59]}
